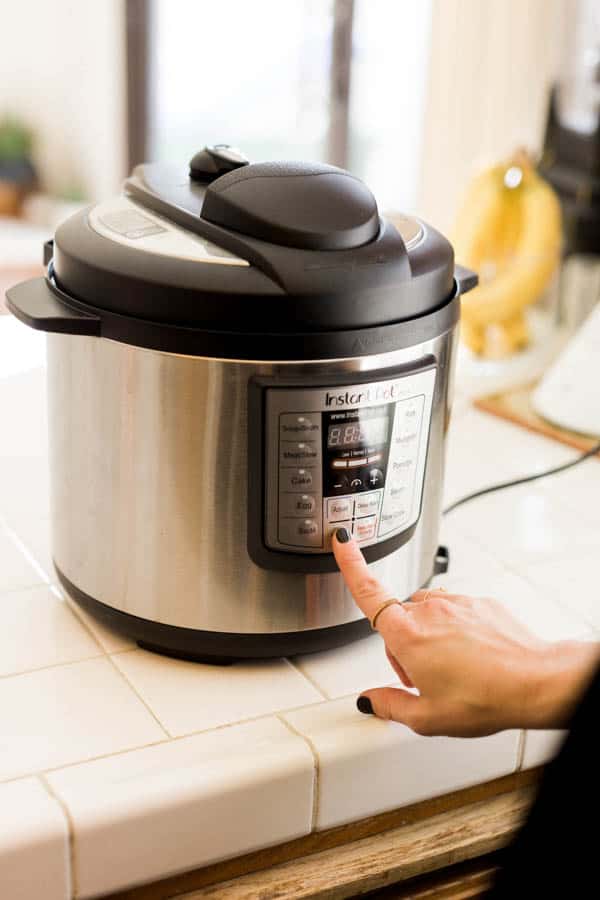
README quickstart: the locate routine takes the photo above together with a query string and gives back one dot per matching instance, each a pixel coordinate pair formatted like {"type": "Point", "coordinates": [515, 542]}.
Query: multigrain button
{"type": "Point", "coordinates": [296, 479]}
{"type": "Point", "coordinates": [339, 508]}
{"type": "Point", "coordinates": [292, 453]}
{"type": "Point", "coordinates": [297, 504]}
{"type": "Point", "coordinates": [300, 532]}
{"type": "Point", "coordinates": [367, 504]}
{"type": "Point", "coordinates": [364, 529]}
{"type": "Point", "coordinates": [299, 425]}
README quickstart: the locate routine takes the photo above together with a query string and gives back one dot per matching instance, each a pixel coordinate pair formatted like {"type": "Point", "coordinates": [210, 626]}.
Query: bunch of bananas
{"type": "Point", "coordinates": [509, 231]}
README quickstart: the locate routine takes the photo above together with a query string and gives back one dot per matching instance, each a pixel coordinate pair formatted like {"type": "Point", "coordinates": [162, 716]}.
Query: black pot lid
{"type": "Point", "coordinates": [271, 248]}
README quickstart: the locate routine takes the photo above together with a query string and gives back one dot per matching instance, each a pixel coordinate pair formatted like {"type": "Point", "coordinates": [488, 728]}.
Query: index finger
{"type": "Point", "coordinates": [367, 591]}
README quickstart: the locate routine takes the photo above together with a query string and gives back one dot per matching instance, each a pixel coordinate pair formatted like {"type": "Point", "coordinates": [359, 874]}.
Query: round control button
{"type": "Point", "coordinates": [296, 479]}
{"type": "Point", "coordinates": [341, 485]}
{"type": "Point", "coordinates": [355, 484]}
{"type": "Point", "coordinates": [298, 504]}
{"type": "Point", "coordinates": [374, 478]}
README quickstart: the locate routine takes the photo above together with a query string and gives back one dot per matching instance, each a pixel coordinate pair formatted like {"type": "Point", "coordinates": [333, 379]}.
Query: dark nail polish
{"type": "Point", "coordinates": [365, 706]}
{"type": "Point", "coordinates": [342, 535]}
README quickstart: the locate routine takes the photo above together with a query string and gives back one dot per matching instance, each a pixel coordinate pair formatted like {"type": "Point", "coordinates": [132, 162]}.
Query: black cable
{"type": "Point", "coordinates": [506, 484]}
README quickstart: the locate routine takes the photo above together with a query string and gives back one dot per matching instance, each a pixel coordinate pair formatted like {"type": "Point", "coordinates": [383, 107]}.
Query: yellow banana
{"type": "Point", "coordinates": [512, 236]}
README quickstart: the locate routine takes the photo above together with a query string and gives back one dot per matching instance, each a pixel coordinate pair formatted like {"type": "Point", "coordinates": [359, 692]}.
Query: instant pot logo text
{"type": "Point", "coordinates": [376, 394]}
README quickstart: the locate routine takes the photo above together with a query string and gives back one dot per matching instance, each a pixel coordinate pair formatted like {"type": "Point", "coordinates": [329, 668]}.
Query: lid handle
{"type": "Point", "coordinates": [300, 205]}
{"type": "Point", "coordinates": [36, 305]}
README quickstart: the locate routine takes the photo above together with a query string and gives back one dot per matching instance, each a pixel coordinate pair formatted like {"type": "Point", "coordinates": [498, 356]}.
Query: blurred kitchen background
{"type": "Point", "coordinates": [415, 98]}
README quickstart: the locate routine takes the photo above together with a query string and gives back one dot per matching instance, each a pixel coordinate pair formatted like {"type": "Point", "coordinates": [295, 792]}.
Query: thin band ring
{"type": "Point", "coordinates": [380, 609]}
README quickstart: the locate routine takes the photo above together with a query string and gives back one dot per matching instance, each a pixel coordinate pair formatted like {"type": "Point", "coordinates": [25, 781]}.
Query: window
{"type": "Point", "coordinates": [334, 80]}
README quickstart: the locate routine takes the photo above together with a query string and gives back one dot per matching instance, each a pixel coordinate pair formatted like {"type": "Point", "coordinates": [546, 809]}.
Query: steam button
{"type": "Point", "coordinates": [300, 532]}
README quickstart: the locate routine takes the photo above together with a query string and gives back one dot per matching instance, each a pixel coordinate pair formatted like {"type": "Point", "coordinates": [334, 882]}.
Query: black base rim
{"type": "Point", "coordinates": [216, 648]}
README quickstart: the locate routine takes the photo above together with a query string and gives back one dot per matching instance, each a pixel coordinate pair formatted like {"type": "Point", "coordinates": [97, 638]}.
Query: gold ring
{"type": "Point", "coordinates": [380, 609]}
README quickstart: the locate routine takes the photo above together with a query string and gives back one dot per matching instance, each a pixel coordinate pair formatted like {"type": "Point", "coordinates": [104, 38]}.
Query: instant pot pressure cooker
{"type": "Point", "coordinates": [241, 359]}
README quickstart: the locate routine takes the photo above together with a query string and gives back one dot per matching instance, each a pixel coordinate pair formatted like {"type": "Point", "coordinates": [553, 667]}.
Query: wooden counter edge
{"type": "Point", "coordinates": [450, 809]}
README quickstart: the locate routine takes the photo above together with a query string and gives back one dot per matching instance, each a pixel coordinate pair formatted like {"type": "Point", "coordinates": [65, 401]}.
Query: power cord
{"type": "Point", "coordinates": [507, 484]}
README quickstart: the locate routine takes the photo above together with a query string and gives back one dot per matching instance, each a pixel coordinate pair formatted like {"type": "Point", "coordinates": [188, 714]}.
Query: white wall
{"type": "Point", "coordinates": [62, 69]}
{"type": "Point", "coordinates": [492, 62]}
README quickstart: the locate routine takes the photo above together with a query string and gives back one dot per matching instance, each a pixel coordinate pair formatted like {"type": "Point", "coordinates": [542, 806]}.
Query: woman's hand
{"type": "Point", "coordinates": [476, 668]}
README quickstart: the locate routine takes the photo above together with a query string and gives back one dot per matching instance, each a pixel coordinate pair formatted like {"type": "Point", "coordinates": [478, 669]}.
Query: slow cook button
{"type": "Point", "coordinates": [294, 452]}
{"type": "Point", "coordinates": [296, 479]}
{"type": "Point", "coordinates": [300, 532]}
{"type": "Point", "coordinates": [364, 529]}
{"type": "Point", "coordinates": [339, 509]}
{"type": "Point", "coordinates": [297, 504]}
{"type": "Point", "coordinates": [367, 504]}
{"type": "Point", "coordinates": [392, 519]}
{"type": "Point", "coordinates": [299, 425]}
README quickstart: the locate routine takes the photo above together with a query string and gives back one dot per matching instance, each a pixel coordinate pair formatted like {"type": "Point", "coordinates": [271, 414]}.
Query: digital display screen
{"type": "Point", "coordinates": [356, 434]}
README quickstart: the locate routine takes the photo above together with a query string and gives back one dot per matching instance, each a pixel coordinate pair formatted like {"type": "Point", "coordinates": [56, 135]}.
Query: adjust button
{"type": "Point", "coordinates": [294, 452]}
{"type": "Point", "coordinates": [339, 509]}
{"type": "Point", "coordinates": [296, 479]}
{"type": "Point", "coordinates": [300, 532]}
{"type": "Point", "coordinates": [297, 504]}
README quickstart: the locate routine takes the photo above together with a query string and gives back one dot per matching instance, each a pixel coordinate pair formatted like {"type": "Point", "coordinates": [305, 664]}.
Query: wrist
{"type": "Point", "coordinates": [562, 673]}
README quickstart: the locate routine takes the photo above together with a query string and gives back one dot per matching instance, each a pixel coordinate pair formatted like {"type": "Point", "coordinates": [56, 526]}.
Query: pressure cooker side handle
{"type": "Point", "coordinates": [36, 305]}
{"type": "Point", "coordinates": [465, 279]}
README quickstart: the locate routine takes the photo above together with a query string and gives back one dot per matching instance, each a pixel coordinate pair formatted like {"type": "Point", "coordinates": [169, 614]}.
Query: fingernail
{"type": "Point", "coordinates": [343, 535]}
{"type": "Point", "coordinates": [365, 706]}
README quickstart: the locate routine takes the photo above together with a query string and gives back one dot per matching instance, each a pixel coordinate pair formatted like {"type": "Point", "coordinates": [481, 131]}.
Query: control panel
{"type": "Point", "coordinates": [351, 455]}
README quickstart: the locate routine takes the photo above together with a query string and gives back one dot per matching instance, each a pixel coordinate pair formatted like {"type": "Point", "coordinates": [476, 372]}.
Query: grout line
{"type": "Point", "coordinates": [306, 676]}
{"type": "Point", "coordinates": [57, 665]}
{"type": "Point", "coordinates": [521, 749]}
{"type": "Point", "coordinates": [316, 800]}
{"type": "Point", "coordinates": [74, 891]}
{"type": "Point", "coordinates": [130, 684]}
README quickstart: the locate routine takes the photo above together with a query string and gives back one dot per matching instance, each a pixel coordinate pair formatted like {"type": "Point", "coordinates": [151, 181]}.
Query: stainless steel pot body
{"type": "Point", "coordinates": [148, 456]}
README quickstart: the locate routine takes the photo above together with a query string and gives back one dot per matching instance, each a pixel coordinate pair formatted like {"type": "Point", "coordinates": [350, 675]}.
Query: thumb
{"type": "Point", "coordinates": [395, 704]}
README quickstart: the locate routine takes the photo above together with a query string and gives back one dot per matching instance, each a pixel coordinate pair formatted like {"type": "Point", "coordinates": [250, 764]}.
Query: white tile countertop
{"type": "Point", "coordinates": [119, 767]}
